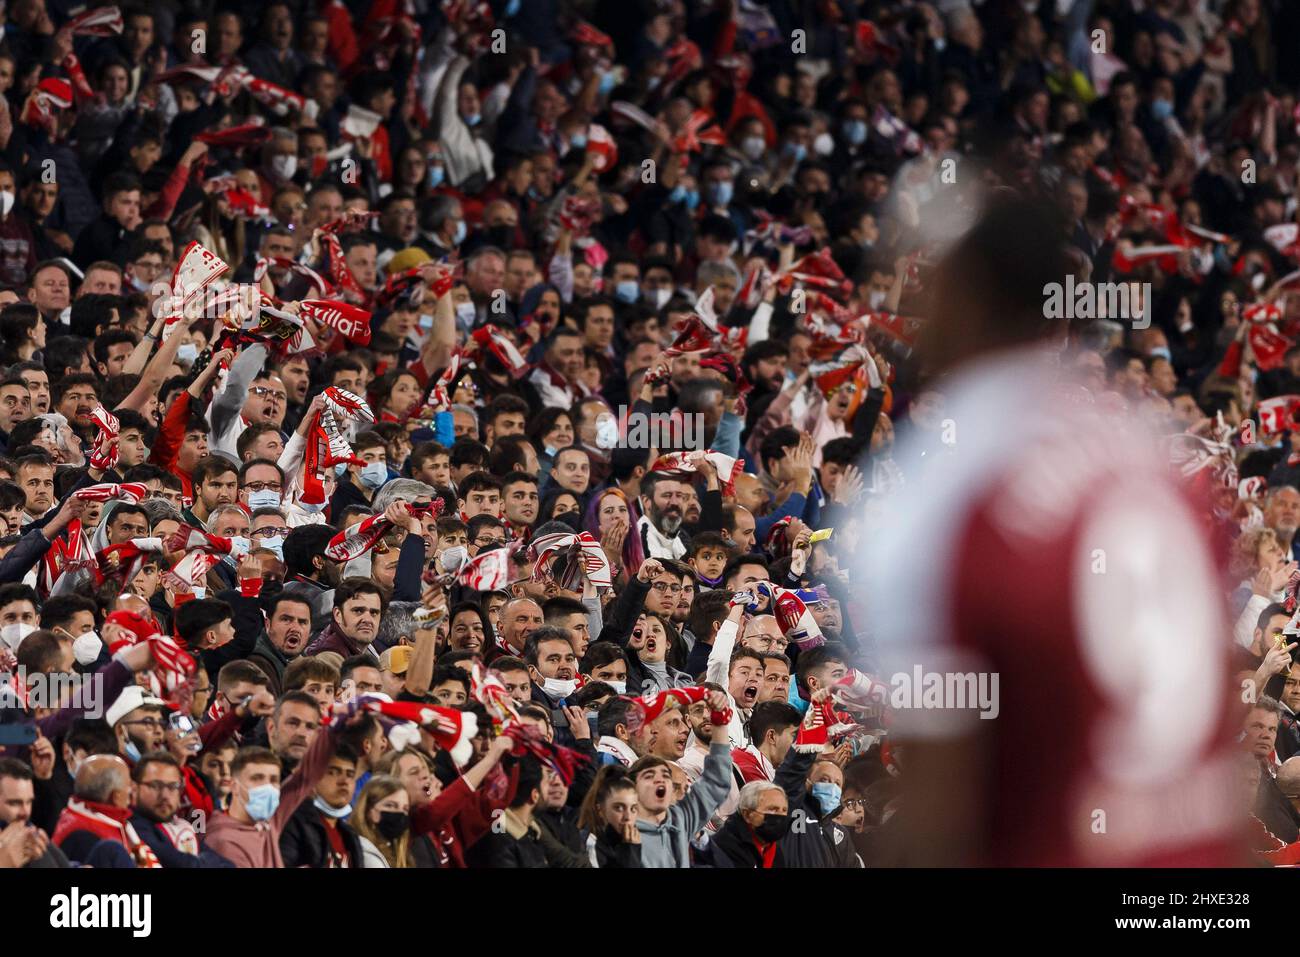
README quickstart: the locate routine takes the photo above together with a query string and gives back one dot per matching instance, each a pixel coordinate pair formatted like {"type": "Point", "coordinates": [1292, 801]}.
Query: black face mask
{"type": "Point", "coordinates": [773, 828]}
{"type": "Point", "coordinates": [393, 824]}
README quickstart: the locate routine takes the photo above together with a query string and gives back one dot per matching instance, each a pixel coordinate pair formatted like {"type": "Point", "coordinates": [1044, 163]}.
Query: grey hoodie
{"type": "Point", "coordinates": [668, 844]}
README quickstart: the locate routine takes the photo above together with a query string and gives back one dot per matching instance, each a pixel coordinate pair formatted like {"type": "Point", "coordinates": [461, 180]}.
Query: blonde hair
{"type": "Point", "coordinates": [396, 853]}
{"type": "Point", "coordinates": [1244, 560]}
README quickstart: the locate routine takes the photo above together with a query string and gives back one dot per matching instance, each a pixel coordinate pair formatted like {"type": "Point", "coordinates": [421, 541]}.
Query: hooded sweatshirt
{"type": "Point", "coordinates": [668, 844]}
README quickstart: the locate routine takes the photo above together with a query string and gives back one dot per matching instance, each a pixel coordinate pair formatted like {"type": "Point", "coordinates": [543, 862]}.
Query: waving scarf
{"type": "Point", "coordinates": [326, 445]}
{"type": "Point", "coordinates": [571, 560]}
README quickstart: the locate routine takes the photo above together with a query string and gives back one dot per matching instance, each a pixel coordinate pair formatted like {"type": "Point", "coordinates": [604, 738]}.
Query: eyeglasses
{"type": "Point", "coordinates": [855, 804]}
{"type": "Point", "coordinates": [668, 587]}
{"type": "Point", "coordinates": [263, 486]}
{"type": "Point", "coordinates": [264, 392]}
{"type": "Point", "coordinates": [162, 787]}
{"type": "Point", "coordinates": [153, 724]}
{"type": "Point", "coordinates": [268, 531]}
{"type": "Point", "coordinates": [485, 542]}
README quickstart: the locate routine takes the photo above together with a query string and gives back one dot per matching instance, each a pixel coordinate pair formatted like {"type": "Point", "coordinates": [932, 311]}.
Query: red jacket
{"type": "Point", "coordinates": [108, 823]}
{"type": "Point", "coordinates": [458, 817]}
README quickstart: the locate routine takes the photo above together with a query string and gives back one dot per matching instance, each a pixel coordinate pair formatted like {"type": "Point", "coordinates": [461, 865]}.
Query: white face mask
{"type": "Point", "coordinates": [753, 147]}
{"type": "Point", "coordinates": [13, 635]}
{"type": "Point", "coordinates": [877, 298]}
{"type": "Point", "coordinates": [284, 166]}
{"type": "Point", "coordinates": [606, 432]}
{"type": "Point", "coordinates": [466, 312]}
{"type": "Point", "coordinates": [661, 297]}
{"type": "Point", "coordinates": [620, 687]}
{"type": "Point", "coordinates": [824, 144]}
{"type": "Point", "coordinates": [559, 687]}
{"type": "Point", "coordinates": [453, 558]}
{"type": "Point", "coordinates": [86, 647]}
{"type": "Point", "coordinates": [6, 202]}
{"type": "Point", "coordinates": [187, 352]}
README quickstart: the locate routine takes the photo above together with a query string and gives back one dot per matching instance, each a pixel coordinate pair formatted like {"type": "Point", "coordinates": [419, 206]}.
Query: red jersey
{"type": "Point", "coordinates": [1052, 557]}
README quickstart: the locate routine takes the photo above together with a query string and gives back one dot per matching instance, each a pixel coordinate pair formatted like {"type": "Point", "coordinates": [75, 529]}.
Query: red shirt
{"type": "Point", "coordinates": [1048, 548]}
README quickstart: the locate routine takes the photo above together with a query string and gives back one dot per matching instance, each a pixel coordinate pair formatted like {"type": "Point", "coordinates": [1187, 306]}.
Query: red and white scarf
{"type": "Point", "coordinates": [355, 540]}
{"type": "Point", "coordinates": [326, 444]}
{"type": "Point", "coordinates": [104, 454]}
{"type": "Point", "coordinates": [687, 463]}
{"type": "Point", "coordinates": [352, 321]}
{"type": "Point", "coordinates": [99, 22]}
{"type": "Point", "coordinates": [107, 822]}
{"type": "Point", "coordinates": [174, 667]}
{"type": "Point", "coordinates": [582, 558]}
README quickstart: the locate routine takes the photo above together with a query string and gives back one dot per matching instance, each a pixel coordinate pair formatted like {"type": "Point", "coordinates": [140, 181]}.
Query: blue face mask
{"type": "Point", "coordinates": [578, 141]}
{"type": "Point", "coordinates": [627, 291]}
{"type": "Point", "coordinates": [720, 192]}
{"type": "Point", "coordinates": [796, 150]}
{"type": "Point", "coordinates": [276, 544]}
{"type": "Point", "coordinates": [1163, 353]}
{"type": "Point", "coordinates": [512, 8]}
{"type": "Point", "coordinates": [692, 199]}
{"type": "Point", "coordinates": [461, 230]}
{"type": "Point", "coordinates": [436, 173]}
{"type": "Point", "coordinates": [828, 795]}
{"type": "Point", "coordinates": [262, 802]}
{"type": "Point", "coordinates": [474, 119]}
{"type": "Point", "coordinates": [340, 469]}
{"type": "Point", "coordinates": [334, 812]}
{"type": "Point", "coordinates": [263, 499]}
{"type": "Point", "coordinates": [187, 352]}
{"type": "Point", "coordinates": [677, 194]}
{"type": "Point", "coordinates": [312, 509]}
{"type": "Point", "coordinates": [855, 131]}
{"type": "Point", "coordinates": [1162, 109]}
{"type": "Point", "coordinates": [131, 751]}
{"type": "Point", "coordinates": [374, 474]}
{"type": "Point", "coordinates": [606, 82]}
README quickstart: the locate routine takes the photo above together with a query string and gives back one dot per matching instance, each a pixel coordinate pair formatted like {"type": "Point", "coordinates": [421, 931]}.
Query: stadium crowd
{"type": "Point", "coordinates": [447, 434]}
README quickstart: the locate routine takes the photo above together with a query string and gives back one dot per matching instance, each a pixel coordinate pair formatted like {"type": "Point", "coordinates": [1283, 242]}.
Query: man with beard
{"type": "Point", "coordinates": [292, 727]}
{"type": "Point", "coordinates": [663, 505]}
{"type": "Point", "coordinates": [1282, 514]}
{"type": "Point", "coordinates": [75, 397]}
{"type": "Point", "coordinates": [158, 789]}
{"type": "Point", "coordinates": [137, 718]}
{"type": "Point", "coordinates": [288, 625]}
{"type": "Point", "coordinates": [358, 606]}
{"type": "Point", "coordinates": [553, 668]}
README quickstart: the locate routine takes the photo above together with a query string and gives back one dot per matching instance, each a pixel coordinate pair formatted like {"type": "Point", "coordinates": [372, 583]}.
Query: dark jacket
{"type": "Point", "coordinates": [271, 660]}
{"type": "Point", "coordinates": [304, 843]}
{"type": "Point", "coordinates": [733, 846]}
{"type": "Point", "coordinates": [1275, 810]}
{"type": "Point", "coordinates": [559, 720]}
{"type": "Point", "coordinates": [561, 838]}
{"type": "Point", "coordinates": [613, 851]}
{"type": "Point", "coordinates": [514, 844]}
{"type": "Point", "coordinates": [331, 639]}
{"type": "Point", "coordinates": [167, 853]}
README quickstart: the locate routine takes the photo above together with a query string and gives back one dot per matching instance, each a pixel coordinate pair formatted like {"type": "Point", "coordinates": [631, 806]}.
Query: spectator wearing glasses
{"type": "Point", "coordinates": [159, 789]}
{"type": "Point", "coordinates": [139, 721]}
{"type": "Point", "coordinates": [486, 532]}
